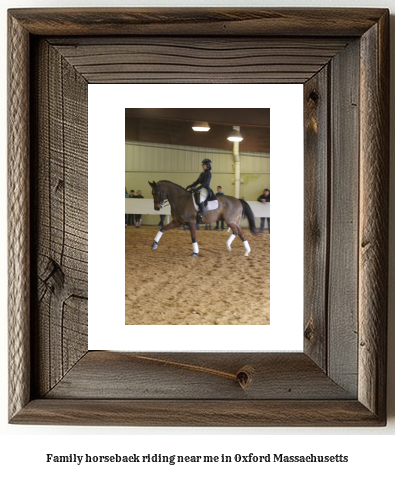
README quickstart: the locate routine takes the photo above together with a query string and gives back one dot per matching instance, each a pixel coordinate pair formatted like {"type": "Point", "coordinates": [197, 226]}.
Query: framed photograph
{"type": "Point", "coordinates": [341, 57]}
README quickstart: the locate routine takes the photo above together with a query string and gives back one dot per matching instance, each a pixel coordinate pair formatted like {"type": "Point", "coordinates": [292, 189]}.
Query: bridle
{"type": "Point", "coordinates": [163, 201]}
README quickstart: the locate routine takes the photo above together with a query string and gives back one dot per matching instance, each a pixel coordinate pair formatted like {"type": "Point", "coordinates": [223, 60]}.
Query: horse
{"type": "Point", "coordinates": [183, 211]}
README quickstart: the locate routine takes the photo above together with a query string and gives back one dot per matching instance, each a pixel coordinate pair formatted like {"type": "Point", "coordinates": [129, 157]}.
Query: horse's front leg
{"type": "Point", "coordinates": [192, 228]}
{"type": "Point", "coordinates": [171, 225]}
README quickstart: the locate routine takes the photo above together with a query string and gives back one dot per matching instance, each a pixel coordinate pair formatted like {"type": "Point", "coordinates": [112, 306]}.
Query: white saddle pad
{"type": "Point", "coordinates": [203, 195]}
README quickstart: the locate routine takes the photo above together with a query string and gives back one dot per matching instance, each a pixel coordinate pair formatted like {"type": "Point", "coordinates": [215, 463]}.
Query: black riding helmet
{"type": "Point", "coordinates": [207, 162]}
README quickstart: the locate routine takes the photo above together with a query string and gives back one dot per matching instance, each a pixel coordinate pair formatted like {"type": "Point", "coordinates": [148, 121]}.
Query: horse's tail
{"type": "Point", "coordinates": [247, 212]}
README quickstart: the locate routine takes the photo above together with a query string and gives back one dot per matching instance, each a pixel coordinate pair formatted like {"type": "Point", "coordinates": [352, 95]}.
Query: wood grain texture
{"type": "Point", "coordinates": [317, 387]}
{"type": "Point", "coordinates": [18, 218]}
{"type": "Point", "coordinates": [202, 413]}
{"type": "Point", "coordinates": [186, 60]}
{"type": "Point", "coordinates": [204, 375]}
{"type": "Point", "coordinates": [373, 227]}
{"type": "Point", "coordinates": [216, 22]}
{"type": "Point", "coordinates": [61, 204]}
{"type": "Point", "coordinates": [343, 220]}
{"type": "Point", "coordinates": [316, 215]}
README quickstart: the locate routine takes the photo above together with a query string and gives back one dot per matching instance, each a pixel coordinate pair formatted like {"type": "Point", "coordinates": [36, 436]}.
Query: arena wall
{"type": "Point", "coordinates": [181, 164]}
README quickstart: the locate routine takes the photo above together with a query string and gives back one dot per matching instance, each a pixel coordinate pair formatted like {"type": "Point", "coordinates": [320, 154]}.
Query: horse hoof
{"type": "Point", "coordinates": [154, 245]}
{"type": "Point", "coordinates": [246, 254]}
{"type": "Point", "coordinates": [193, 254]}
{"type": "Point", "coordinates": [228, 249]}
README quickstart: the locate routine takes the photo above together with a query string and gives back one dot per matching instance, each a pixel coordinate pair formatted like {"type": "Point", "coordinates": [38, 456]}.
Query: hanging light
{"type": "Point", "coordinates": [201, 126]}
{"type": "Point", "coordinates": [235, 135]}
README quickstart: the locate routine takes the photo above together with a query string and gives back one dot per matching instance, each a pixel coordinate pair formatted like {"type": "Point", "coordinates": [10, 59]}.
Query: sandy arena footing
{"type": "Point", "coordinates": [168, 287]}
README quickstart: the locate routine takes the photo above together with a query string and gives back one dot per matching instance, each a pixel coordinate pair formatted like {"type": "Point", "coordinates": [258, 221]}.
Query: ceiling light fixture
{"type": "Point", "coordinates": [201, 126]}
{"type": "Point", "coordinates": [235, 135]}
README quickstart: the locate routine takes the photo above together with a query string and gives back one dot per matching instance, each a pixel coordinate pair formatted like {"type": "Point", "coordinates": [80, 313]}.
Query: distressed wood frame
{"type": "Point", "coordinates": [342, 58]}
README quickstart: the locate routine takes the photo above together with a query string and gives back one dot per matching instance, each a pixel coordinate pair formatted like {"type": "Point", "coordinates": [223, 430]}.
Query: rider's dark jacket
{"type": "Point", "coordinates": [204, 181]}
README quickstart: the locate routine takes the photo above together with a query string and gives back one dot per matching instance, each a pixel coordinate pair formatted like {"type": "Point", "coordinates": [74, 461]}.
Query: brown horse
{"type": "Point", "coordinates": [183, 212]}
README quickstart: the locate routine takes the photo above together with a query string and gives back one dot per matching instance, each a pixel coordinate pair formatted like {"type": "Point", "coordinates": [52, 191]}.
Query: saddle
{"type": "Point", "coordinates": [208, 205]}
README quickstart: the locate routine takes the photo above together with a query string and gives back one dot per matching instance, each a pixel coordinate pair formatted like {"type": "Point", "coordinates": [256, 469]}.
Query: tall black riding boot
{"type": "Point", "coordinates": [200, 214]}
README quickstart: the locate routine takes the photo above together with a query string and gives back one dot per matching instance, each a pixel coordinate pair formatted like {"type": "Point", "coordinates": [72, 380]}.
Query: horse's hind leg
{"type": "Point", "coordinates": [171, 225]}
{"type": "Point", "coordinates": [237, 231]}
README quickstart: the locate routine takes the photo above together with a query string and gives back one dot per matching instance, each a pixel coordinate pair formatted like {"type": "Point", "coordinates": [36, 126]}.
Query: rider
{"type": "Point", "coordinates": [204, 182]}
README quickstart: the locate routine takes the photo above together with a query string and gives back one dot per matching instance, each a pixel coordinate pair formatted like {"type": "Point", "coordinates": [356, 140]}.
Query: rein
{"type": "Point", "coordinates": [165, 202]}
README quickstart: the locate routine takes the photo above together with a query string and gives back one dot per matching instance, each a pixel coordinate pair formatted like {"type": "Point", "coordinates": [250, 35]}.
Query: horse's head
{"type": "Point", "coordinates": [159, 195]}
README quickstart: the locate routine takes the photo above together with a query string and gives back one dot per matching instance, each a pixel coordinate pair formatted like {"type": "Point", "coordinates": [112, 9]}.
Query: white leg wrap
{"type": "Point", "coordinates": [230, 240]}
{"type": "Point", "coordinates": [195, 247]}
{"type": "Point", "coordinates": [247, 246]}
{"type": "Point", "coordinates": [158, 236]}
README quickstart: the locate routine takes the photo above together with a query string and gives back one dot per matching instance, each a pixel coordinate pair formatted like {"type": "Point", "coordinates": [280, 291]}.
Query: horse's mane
{"type": "Point", "coordinates": [170, 182]}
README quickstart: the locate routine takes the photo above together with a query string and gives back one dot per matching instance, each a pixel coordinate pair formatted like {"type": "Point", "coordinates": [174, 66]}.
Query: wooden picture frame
{"type": "Point", "coordinates": [342, 58]}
